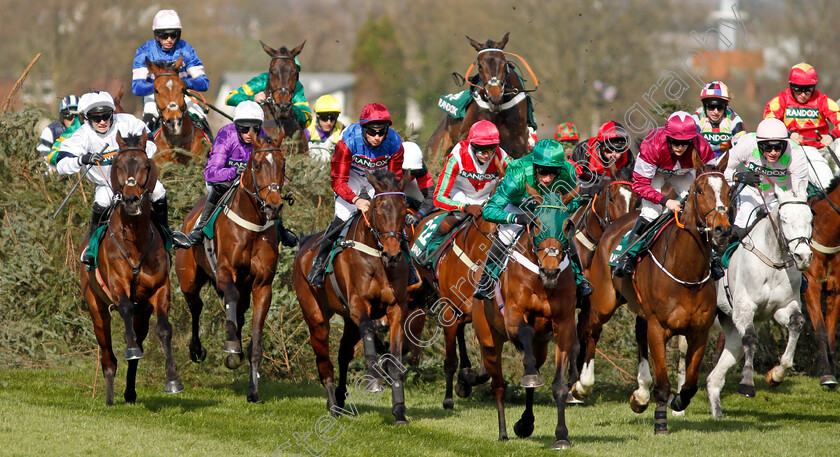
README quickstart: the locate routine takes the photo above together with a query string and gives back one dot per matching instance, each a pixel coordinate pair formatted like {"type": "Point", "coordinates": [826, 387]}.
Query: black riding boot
{"type": "Point", "coordinates": [484, 288]}
{"type": "Point", "coordinates": [196, 236]}
{"type": "Point", "coordinates": [413, 278]}
{"type": "Point", "coordinates": [95, 218]}
{"type": "Point", "coordinates": [160, 215]}
{"type": "Point", "coordinates": [205, 126]}
{"type": "Point", "coordinates": [319, 265]}
{"type": "Point", "coordinates": [583, 286]}
{"type": "Point", "coordinates": [803, 286]}
{"type": "Point", "coordinates": [442, 229]}
{"type": "Point", "coordinates": [627, 263]}
{"type": "Point", "coordinates": [151, 122]}
{"type": "Point", "coordinates": [287, 237]}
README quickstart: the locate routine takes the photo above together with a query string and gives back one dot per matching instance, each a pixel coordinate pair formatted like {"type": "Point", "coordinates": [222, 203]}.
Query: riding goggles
{"type": "Point", "coordinates": [370, 131]}
{"type": "Point", "coordinates": [243, 127]}
{"type": "Point", "coordinates": [328, 117]}
{"type": "Point", "coordinates": [801, 89]}
{"type": "Point", "coordinates": [99, 117]}
{"type": "Point", "coordinates": [615, 146]}
{"type": "Point", "coordinates": [484, 148]}
{"type": "Point", "coordinates": [774, 145]}
{"type": "Point", "coordinates": [546, 171]}
{"type": "Point", "coordinates": [714, 106]}
{"type": "Point", "coordinates": [165, 34]}
{"type": "Point", "coordinates": [679, 143]}
{"type": "Point", "coordinates": [68, 114]}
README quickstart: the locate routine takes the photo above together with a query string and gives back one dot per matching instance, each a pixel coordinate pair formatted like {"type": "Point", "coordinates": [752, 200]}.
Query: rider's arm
{"type": "Point", "coordinates": [644, 172]}
{"type": "Point", "coordinates": [197, 80]}
{"type": "Point", "coordinates": [45, 141]}
{"type": "Point", "coordinates": [798, 168]}
{"type": "Point", "coordinates": [831, 111]}
{"type": "Point", "coordinates": [396, 162]}
{"type": "Point", "coordinates": [340, 172]}
{"type": "Point", "coordinates": [445, 182]}
{"type": "Point", "coordinates": [737, 128]}
{"type": "Point", "coordinates": [507, 192]}
{"type": "Point", "coordinates": [301, 107]}
{"type": "Point", "coordinates": [704, 149]}
{"type": "Point", "coordinates": [247, 91]}
{"type": "Point", "coordinates": [775, 108]}
{"type": "Point", "coordinates": [739, 155]}
{"type": "Point", "coordinates": [68, 157]}
{"type": "Point", "coordinates": [217, 169]}
{"type": "Point", "coordinates": [141, 83]}
{"type": "Point", "coordinates": [52, 157]}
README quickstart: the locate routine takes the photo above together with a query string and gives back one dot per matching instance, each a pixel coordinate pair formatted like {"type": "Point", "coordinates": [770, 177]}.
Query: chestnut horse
{"type": "Point", "coordinates": [246, 250]}
{"type": "Point", "coordinates": [283, 75]}
{"type": "Point", "coordinates": [132, 271]}
{"type": "Point", "coordinates": [671, 291]}
{"type": "Point", "coordinates": [368, 280]}
{"type": "Point", "coordinates": [501, 99]}
{"type": "Point", "coordinates": [824, 278]}
{"type": "Point", "coordinates": [538, 293]}
{"type": "Point", "coordinates": [177, 132]}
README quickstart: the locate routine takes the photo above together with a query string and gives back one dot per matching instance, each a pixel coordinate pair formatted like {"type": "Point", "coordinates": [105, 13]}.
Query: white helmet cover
{"type": "Point", "coordinates": [166, 19]}
{"type": "Point", "coordinates": [93, 100]}
{"type": "Point", "coordinates": [248, 110]}
{"type": "Point", "coordinates": [771, 129]}
{"type": "Point", "coordinates": [412, 156]}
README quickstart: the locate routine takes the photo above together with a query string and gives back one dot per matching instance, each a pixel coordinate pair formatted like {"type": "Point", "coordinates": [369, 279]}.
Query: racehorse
{"type": "Point", "coordinates": [246, 249]}
{"type": "Point", "coordinates": [283, 75]}
{"type": "Point", "coordinates": [824, 278]}
{"type": "Point", "coordinates": [671, 291]}
{"type": "Point", "coordinates": [132, 271]}
{"type": "Point", "coordinates": [500, 99]}
{"type": "Point", "coordinates": [368, 280]}
{"type": "Point", "coordinates": [178, 133]}
{"type": "Point", "coordinates": [764, 282]}
{"type": "Point", "coordinates": [538, 301]}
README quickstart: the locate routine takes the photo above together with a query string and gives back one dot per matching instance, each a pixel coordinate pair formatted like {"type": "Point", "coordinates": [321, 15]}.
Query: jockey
{"type": "Point", "coordinates": [167, 46]}
{"type": "Point", "coordinates": [592, 157]}
{"type": "Point", "coordinates": [367, 146]}
{"type": "Point", "coordinates": [804, 111]}
{"type": "Point", "coordinates": [419, 189]}
{"type": "Point", "coordinates": [325, 133]}
{"type": "Point", "coordinates": [766, 152]}
{"type": "Point", "coordinates": [719, 125]}
{"type": "Point", "coordinates": [666, 156]}
{"type": "Point", "coordinates": [468, 177]}
{"type": "Point", "coordinates": [68, 112]}
{"type": "Point", "coordinates": [255, 90]}
{"type": "Point", "coordinates": [567, 135]}
{"type": "Point", "coordinates": [546, 170]}
{"type": "Point", "coordinates": [94, 144]}
{"type": "Point", "coordinates": [228, 158]}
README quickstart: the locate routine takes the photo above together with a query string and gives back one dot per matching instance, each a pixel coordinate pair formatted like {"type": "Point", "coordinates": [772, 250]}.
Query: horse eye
{"type": "Point", "coordinates": [257, 166]}
{"type": "Point", "coordinates": [699, 191]}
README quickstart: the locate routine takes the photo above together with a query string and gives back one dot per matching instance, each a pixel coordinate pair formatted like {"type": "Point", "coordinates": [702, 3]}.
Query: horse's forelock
{"type": "Point", "coordinates": [387, 179]}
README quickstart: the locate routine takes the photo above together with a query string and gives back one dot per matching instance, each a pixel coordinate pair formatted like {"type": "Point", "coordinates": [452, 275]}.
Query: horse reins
{"type": "Point", "coordinates": [400, 235]}
{"type": "Point", "coordinates": [701, 218]}
{"type": "Point", "coordinates": [272, 187]}
{"type": "Point", "coordinates": [282, 90]}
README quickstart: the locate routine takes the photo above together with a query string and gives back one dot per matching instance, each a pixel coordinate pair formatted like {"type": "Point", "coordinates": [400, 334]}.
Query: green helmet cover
{"type": "Point", "coordinates": [549, 153]}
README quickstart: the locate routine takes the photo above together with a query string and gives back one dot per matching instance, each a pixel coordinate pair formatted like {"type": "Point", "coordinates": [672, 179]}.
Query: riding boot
{"type": "Point", "coordinates": [95, 218]}
{"type": "Point", "coordinates": [803, 286]}
{"type": "Point", "coordinates": [160, 215]}
{"type": "Point", "coordinates": [287, 237]}
{"type": "Point", "coordinates": [319, 265]}
{"type": "Point", "coordinates": [413, 277]}
{"type": "Point", "coordinates": [484, 288]}
{"type": "Point", "coordinates": [151, 122]}
{"type": "Point", "coordinates": [196, 236]}
{"type": "Point", "coordinates": [583, 286]}
{"type": "Point", "coordinates": [628, 263]}
{"type": "Point", "coordinates": [205, 126]}
{"type": "Point", "coordinates": [716, 267]}
{"type": "Point", "coordinates": [440, 231]}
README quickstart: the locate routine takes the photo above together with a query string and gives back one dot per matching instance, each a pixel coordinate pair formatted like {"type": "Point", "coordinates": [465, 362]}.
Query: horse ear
{"type": "Point", "coordinates": [179, 63]}
{"type": "Point", "coordinates": [501, 168]}
{"type": "Point", "coordinates": [152, 179]}
{"type": "Point", "coordinates": [144, 138]}
{"type": "Point", "coordinates": [120, 141]}
{"type": "Point", "coordinates": [153, 69]}
{"type": "Point", "coordinates": [698, 162]}
{"type": "Point", "coordinates": [504, 41]}
{"type": "Point", "coordinates": [723, 161]}
{"type": "Point", "coordinates": [294, 52]}
{"type": "Point", "coordinates": [475, 44]}
{"type": "Point", "coordinates": [406, 178]}
{"type": "Point", "coordinates": [531, 191]}
{"type": "Point", "coordinates": [801, 190]}
{"type": "Point", "coordinates": [268, 49]}
{"type": "Point", "coordinates": [570, 195]}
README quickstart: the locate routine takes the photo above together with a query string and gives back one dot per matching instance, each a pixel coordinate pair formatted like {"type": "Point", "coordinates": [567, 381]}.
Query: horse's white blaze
{"type": "Point", "coordinates": [716, 183]}
{"type": "Point", "coordinates": [270, 158]}
{"type": "Point", "coordinates": [169, 84]}
{"type": "Point", "coordinates": [627, 194]}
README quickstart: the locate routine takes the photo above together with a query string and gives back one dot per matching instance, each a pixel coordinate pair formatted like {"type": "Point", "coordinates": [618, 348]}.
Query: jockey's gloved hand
{"type": "Point", "coordinates": [91, 158]}
{"type": "Point", "coordinates": [750, 178]}
{"type": "Point", "coordinates": [412, 219]}
{"type": "Point", "coordinates": [240, 167]}
{"type": "Point", "coordinates": [521, 219]}
{"type": "Point", "coordinates": [474, 210]}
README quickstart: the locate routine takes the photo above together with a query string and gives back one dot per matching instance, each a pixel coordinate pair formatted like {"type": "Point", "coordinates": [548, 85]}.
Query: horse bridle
{"type": "Point", "coordinates": [399, 234]}
{"type": "Point", "coordinates": [172, 105]}
{"type": "Point", "coordinates": [131, 181]}
{"type": "Point", "coordinates": [272, 187]}
{"type": "Point", "coordinates": [703, 227]}
{"type": "Point", "coordinates": [495, 81]}
{"type": "Point", "coordinates": [282, 90]}
{"type": "Point", "coordinates": [779, 231]}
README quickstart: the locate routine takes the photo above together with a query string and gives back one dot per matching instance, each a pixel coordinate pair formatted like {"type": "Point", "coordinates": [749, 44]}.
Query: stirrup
{"type": "Point", "coordinates": [584, 289]}
{"type": "Point", "coordinates": [196, 236]}
{"type": "Point", "coordinates": [88, 259]}
{"type": "Point", "coordinates": [181, 241]}
{"type": "Point", "coordinates": [624, 268]}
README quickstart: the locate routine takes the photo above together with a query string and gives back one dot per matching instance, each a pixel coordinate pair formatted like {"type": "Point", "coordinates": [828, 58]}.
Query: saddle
{"type": "Point", "coordinates": [455, 105]}
{"type": "Point", "coordinates": [640, 247]}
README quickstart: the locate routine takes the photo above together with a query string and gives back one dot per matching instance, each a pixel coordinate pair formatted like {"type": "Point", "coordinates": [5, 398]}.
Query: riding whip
{"type": "Point", "coordinates": [64, 202]}
{"type": "Point", "coordinates": [196, 97]}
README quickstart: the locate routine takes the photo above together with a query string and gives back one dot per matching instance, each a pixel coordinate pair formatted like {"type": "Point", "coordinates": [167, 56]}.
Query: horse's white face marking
{"type": "Point", "coordinates": [716, 183]}
{"type": "Point", "coordinates": [270, 158]}
{"type": "Point", "coordinates": [169, 84]}
{"type": "Point", "coordinates": [627, 194]}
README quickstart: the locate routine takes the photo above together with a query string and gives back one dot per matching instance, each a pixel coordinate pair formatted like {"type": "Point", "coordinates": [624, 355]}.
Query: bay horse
{"type": "Point", "coordinates": [368, 280]}
{"type": "Point", "coordinates": [764, 279]}
{"type": "Point", "coordinates": [537, 292]}
{"type": "Point", "coordinates": [671, 292]}
{"type": "Point", "coordinates": [178, 138]}
{"type": "Point", "coordinates": [500, 99]}
{"type": "Point", "coordinates": [824, 278]}
{"type": "Point", "coordinates": [283, 76]}
{"type": "Point", "coordinates": [246, 249]}
{"type": "Point", "coordinates": [132, 271]}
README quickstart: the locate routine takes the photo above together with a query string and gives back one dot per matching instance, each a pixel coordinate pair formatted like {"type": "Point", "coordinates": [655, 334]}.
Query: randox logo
{"type": "Point", "coordinates": [371, 164]}
{"type": "Point", "coordinates": [448, 107]}
{"type": "Point", "coordinates": [769, 172]}
{"type": "Point", "coordinates": [717, 137]}
{"type": "Point", "coordinates": [476, 176]}
{"type": "Point", "coordinates": [802, 113]}
{"type": "Point", "coordinates": [679, 172]}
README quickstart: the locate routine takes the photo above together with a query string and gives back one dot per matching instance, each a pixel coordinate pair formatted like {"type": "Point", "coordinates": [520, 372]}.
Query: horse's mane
{"type": "Point", "coordinates": [165, 65]}
{"type": "Point", "coordinates": [624, 174]}
{"type": "Point", "coordinates": [133, 140]}
{"type": "Point", "coordinates": [835, 182]}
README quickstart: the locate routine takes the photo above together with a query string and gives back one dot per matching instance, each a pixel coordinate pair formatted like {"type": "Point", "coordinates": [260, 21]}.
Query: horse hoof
{"type": "Point", "coordinates": [467, 376]}
{"type": "Point", "coordinates": [828, 381]}
{"type": "Point", "coordinates": [232, 347]}
{"type": "Point", "coordinates": [130, 397]}
{"type": "Point", "coordinates": [572, 401]}
{"type": "Point", "coordinates": [198, 356]}
{"type": "Point", "coordinates": [746, 390]}
{"type": "Point", "coordinates": [448, 403]}
{"type": "Point", "coordinates": [375, 386]}
{"type": "Point", "coordinates": [399, 422]}
{"type": "Point", "coordinates": [578, 393]}
{"type": "Point", "coordinates": [233, 361]}
{"type": "Point", "coordinates": [660, 430]}
{"type": "Point", "coordinates": [637, 407]}
{"type": "Point", "coordinates": [531, 380]}
{"type": "Point", "coordinates": [253, 398]}
{"type": "Point", "coordinates": [173, 387]}
{"type": "Point", "coordinates": [463, 390]}
{"type": "Point", "coordinates": [523, 429]}
{"type": "Point", "coordinates": [560, 445]}
{"type": "Point", "coordinates": [133, 354]}
{"type": "Point", "coordinates": [770, 380]}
